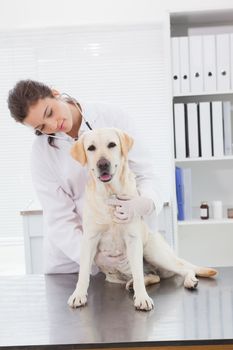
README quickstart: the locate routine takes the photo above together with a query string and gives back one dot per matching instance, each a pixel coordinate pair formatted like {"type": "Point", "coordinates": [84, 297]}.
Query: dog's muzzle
{"type": "Point", "coordinates": [104, 167]}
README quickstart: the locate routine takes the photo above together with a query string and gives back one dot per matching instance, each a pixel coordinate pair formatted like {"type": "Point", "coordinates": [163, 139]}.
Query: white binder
{"type": "Point", "coordinates": [184, 64]}
{"type": "Point", "coordinates": [217, 128]}
{"type": "Point", "coordinates": [231, 64]}
{"type": "Point", "coordinates": [205, 129]}
{"type": "Point", "coordinates": [209, 61]}
{"type": "Point", "coordinates": [223, 61]}
{"type": "Point", "coordinates": [192, 130]}
{"type": "Point", "coordinates": [196, 63]}
{"type": "Point", "coordinates": [227, 128]}
{"type": "Point", "coordinates": [175, 65]}
{"type": "Point", "coordinates": [179, 128]}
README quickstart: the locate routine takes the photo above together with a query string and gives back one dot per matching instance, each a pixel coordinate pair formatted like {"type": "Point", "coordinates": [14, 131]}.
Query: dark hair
{"type": "Point", "coordinates": [25, 94]}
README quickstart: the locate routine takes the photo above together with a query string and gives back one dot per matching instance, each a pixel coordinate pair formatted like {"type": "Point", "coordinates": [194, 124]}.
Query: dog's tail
{"type": "Point", "coordinates": [205, 271]}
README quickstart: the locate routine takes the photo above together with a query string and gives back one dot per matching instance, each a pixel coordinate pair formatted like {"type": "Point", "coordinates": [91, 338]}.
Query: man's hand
{"type": "Point", "coordinates": [127, 208]}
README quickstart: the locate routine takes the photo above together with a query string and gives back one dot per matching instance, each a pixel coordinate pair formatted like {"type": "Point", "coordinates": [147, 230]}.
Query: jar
{"type": "Point", "coordinates": [204, 211]}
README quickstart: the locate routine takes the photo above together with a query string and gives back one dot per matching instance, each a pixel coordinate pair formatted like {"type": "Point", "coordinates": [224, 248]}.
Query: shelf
{"type": "Point", "coordinates": [199, 18]}
{"type": "Point", "coordinates": [205, 222]}
{"type": "Point", "coordinates": [204, 93]}
{"type": "Point", "coordinates": [211, 159]}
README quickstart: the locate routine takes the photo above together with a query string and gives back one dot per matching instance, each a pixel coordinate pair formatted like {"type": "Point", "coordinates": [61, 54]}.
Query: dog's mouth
{"type": "Point", "coordinates": [105, 177]}
{"type": "Point", "coordinates": [104, 167]}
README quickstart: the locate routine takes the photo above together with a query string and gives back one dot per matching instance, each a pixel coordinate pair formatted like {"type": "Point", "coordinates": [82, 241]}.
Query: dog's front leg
{"type": "Point", "coordinates": [134, 247]}
{"type": "Point", "coordinates": [88, 251]}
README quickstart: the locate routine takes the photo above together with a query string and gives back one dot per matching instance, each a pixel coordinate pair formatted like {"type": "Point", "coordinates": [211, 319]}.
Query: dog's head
{"type": "Point", "coordinates": [103, 150]}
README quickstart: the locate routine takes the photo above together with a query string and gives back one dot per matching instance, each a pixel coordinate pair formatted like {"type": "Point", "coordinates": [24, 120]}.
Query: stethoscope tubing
{"type": "Point", "coordinates": [76, 105]}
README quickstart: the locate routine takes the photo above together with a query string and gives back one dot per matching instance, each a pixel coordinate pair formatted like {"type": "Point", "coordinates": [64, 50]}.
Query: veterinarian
{"type": "Point", "coordinates": [59, 180]}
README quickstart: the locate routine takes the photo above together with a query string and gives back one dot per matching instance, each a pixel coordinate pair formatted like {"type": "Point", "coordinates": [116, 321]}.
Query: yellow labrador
{"type": "Point", "coordinates": [105, 151]}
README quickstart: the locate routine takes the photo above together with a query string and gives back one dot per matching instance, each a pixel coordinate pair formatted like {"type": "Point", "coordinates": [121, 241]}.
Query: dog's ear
{"type": "Point", "coordinates": [78, 153]}
{"type": "Point", "coordinates": [126, 141]}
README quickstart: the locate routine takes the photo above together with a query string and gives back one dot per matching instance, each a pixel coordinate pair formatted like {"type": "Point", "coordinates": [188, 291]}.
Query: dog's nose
{"type": "Point", "coordinates": [103, 164]}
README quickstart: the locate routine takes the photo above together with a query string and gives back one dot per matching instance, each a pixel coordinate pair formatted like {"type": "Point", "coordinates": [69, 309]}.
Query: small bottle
{"type": "Point", "coordinates": [204, 211]}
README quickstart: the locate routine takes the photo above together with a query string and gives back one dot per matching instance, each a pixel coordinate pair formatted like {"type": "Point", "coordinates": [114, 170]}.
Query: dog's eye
{"type": "Point", "coordinates": [111, 145]}
{"type": "Point", "coordinates": [91, 148]}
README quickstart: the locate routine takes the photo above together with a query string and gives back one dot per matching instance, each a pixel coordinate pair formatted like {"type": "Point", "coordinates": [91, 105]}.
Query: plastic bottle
{"type": "Point", "coordinates": [204, 211]}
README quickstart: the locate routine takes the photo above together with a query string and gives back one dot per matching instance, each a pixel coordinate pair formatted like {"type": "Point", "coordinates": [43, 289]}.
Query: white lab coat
{"type": "Point", "coordinates": [59, 181]}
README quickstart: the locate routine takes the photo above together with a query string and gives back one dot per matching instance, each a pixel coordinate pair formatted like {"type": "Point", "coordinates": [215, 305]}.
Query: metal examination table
{"type": "Point", "coordinates": [34, 314]}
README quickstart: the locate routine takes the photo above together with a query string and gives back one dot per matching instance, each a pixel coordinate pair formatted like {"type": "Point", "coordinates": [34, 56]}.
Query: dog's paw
{"type": "Point", "coordinates": [77, 300]}
{"type": "Point", "coordinates": [143, 303]}
{"type": "Point", "coordinates": [190, 281]}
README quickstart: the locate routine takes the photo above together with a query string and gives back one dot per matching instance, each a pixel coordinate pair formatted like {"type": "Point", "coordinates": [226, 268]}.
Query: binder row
{"type": "Point", "coordinates": [202, 63]}
{"type": "Point", "coordinates": [202, 129]}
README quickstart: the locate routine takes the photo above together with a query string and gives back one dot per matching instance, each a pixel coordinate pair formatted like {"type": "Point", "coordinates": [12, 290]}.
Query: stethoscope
{"type": "Point", "coordinates": [75, 103]}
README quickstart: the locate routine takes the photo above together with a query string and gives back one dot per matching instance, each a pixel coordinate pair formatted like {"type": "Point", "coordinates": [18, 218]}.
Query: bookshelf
{"type": "Point", "coordinates": [206, 93]}
{"type": "Point", "coordinates": [210, 159]}
{"type": "Point", "coordinates": [205, 222]}
{"type": "Point", "coordinates": [205, 241]}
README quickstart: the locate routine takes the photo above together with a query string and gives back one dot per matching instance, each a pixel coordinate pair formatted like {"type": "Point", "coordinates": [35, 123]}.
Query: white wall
{"type": "Point", "coordinates": [50, 13]}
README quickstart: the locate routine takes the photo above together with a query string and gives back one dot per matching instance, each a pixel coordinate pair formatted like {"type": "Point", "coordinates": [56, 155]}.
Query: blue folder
{"type": "Point", "coordinates": [180, 193]}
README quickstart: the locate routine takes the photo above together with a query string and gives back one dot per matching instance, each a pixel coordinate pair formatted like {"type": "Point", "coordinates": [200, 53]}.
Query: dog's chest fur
{"type": "Point", "coordinates": [111, 241]}
{"type": "Point", "coordinates": [113, 245]}
{"type": "Point", "coordinates": [111, 234]}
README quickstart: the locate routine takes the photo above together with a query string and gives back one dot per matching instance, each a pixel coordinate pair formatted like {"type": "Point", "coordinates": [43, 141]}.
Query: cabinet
{"type": "Point", "coordinates": [210, 241]}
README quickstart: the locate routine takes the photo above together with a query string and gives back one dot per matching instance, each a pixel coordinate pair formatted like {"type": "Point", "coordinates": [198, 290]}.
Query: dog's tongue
{"type": "Point", "coordinates": [105, 177]}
